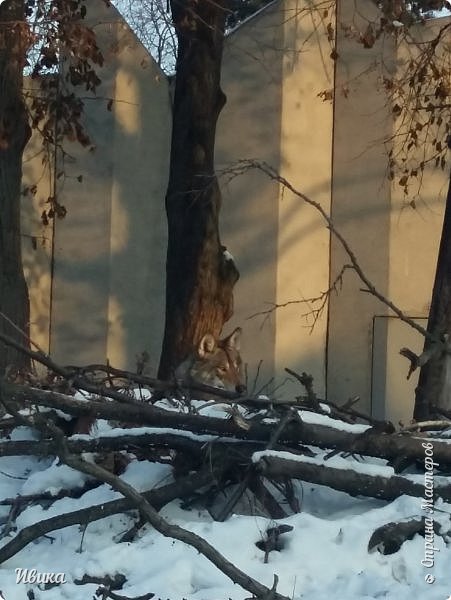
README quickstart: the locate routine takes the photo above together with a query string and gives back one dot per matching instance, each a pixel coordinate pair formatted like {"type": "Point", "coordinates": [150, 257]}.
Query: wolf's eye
{"type": "Point", "coordinates": [222, 369]}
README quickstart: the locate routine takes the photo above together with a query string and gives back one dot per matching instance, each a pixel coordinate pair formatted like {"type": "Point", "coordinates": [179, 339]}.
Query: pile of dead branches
{"type": "Point", "coordinates": [253, 447]}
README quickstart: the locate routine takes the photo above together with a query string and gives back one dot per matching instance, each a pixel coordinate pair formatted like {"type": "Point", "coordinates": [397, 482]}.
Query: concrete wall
{"type": "Point", "coordinates": [107, 261]}
{"type": "Point", "coordinates": [396, 243]}
{"type": "Point", "coordinates": [109, 251]}
{"type": "Point", "coordinates": [274, 67]}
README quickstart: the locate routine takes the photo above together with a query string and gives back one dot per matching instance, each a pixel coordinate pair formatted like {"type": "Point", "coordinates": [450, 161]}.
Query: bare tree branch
{"type": "Point", "coordinates": [157, 497]}
{"type": "Point", "coordinates": [418, 361]}
{"type": "Point", "coordinates": [250, 164]}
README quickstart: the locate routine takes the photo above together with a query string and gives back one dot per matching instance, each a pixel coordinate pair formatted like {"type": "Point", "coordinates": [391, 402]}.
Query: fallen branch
{"type": "Point", "coordinates": [273, 467]}
{"type": "Point", "coordinates": [157, 497]}
{"type": "Point", "coordinates": [370, 443]}
{"type": "Point", "coordinates": [389, 538]}
{"type": "Point", "coordinates": [113, 583]}
{"type": "Point", "coordinates": [129, 443]}
{"type": "Point", "coordinates": [39, 497]}
{"type": "Point", "coordinates": [346, 480]}
{"type": "Point", "coordinates": [103, 593]}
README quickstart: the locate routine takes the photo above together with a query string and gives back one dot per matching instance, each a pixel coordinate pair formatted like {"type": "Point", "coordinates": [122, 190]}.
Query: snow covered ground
{"type": "Point", "coordinates": [325, 555]}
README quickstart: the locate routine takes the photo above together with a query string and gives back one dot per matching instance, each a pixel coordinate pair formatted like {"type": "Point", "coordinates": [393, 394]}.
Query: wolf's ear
{"type": "Point", "coordinates": [234, 339]}
{"type": "Point", "coordinates": [206, 344]}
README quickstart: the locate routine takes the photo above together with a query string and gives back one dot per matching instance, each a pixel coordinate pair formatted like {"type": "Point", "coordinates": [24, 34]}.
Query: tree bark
{"type": "Point", "coordinates": [14, 135]}
{"type": "Point", "coordinates": [199, 275]}
{"type": "Point", "coordinates": [434, 385]}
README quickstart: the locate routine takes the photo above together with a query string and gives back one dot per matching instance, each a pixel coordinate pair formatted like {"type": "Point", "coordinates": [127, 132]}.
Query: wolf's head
{"type": "Point", "coordinates": [215, 362]}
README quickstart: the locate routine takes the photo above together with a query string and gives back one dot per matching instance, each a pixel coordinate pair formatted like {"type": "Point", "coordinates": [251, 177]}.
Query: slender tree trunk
{"type": "Point", "coordinates": [434, 385]}
{"type": "Point", "coordinates": [14, 135]}
{"type": "Point", "coordinates": [199, 277]}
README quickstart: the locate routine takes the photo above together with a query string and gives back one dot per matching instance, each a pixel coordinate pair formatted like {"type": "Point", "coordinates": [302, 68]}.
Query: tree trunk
{"type": "Point", "coordinates": [199, 275]}
{"type": "Point", "coordinates": [14, 135]}
{"type": "Point", "coordinates": [434, 385]}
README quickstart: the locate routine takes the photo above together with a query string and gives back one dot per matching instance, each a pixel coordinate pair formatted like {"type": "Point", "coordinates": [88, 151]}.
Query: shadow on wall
{"type": "Point", "coordinates": [37, 240]}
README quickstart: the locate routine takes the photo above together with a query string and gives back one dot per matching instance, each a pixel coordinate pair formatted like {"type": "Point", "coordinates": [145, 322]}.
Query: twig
{"type": "Point", "coordinates": [322, 299]}
{"type": "Point", "coordinates": [19, 330]}
{"type": "Point", "coordinates": [38, 355]}
{"type": "Point", "coordinates": [418, 361]}
{"type": "Point", "coordinates": [427, 425]}
{"type": "Point", "coordinates": [307, 381]}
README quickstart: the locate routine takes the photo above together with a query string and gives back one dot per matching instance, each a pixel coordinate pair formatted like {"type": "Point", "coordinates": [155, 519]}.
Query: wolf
{"type": "Point", "coordinates": [214, 362]}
